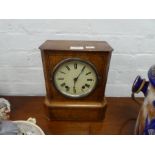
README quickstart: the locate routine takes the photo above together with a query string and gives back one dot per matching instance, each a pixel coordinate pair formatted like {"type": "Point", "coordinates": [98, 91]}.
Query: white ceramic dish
{"type": "Point", "coordinates": [29, 127]}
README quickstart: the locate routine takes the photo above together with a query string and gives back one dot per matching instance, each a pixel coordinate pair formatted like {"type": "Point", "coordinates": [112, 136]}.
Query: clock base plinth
{"type": "Point", "coordinates": [94, 111]}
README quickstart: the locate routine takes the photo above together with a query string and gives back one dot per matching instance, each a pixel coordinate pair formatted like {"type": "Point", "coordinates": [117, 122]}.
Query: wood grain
{"type": "Point", "coordinates": [56, 51]}
{"type": "Point", "coordinates": [119, 118]}
{"type": "Point", "coordinates": [57, 45]}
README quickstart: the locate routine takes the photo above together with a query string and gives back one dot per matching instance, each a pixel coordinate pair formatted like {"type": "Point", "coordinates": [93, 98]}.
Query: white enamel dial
{"type": "Point", "coordinates": [75, 78]}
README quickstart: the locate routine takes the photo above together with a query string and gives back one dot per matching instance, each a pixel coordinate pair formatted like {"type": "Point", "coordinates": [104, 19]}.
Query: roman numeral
{"type": "Point", "coordinates": [63, 84]}
{"type": "Point", "coordinates": [89, 79]}
{"type": "Point", "coordinates": [87, 85]}
{"type": "Point", "coordinates": [60, 78]}
{"type": "Point", "coordinates": [67, 88]}
{"type": "Point", "coordinates": [75, 66]}
{"type": "Point", "coordinates": [74, 90]}
{"type": "Point", "coordinates": [62, 72]}
{"type": "Point", "coordinates": [67, 67]}
{"type": "Point", "coordinates": [88, 73]}
{"type": "Point", "coordinates": [83, 87]}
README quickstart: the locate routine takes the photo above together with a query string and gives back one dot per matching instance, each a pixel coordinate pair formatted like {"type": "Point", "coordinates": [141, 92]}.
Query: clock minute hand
{"type": "Point", "coordinates": [80, 73]}
{"type": "Point", "coordinates": [75, 79]}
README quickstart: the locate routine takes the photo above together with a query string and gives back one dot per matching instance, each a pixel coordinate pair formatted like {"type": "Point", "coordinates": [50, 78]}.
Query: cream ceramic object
{"type": "Point", "coordinates": [4, 109]}
{"type": "Point", "coordinates": [29, 127]}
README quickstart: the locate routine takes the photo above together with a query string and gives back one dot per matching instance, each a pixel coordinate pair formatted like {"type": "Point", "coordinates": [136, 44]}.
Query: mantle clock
{"type": "Point", "coordinates": [75, 75]}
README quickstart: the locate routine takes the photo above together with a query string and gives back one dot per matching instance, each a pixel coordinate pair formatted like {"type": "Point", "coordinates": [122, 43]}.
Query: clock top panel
{"type": "Point", "coordinates": [70, 45]}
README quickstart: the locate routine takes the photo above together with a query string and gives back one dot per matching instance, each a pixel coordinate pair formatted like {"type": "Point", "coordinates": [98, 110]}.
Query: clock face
{"type": "Point", "coordinates": [75, 78]}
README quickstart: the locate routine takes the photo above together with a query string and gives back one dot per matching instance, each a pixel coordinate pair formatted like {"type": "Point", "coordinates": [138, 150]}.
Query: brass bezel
{"type": "Point", "coordinates": [69, 60]}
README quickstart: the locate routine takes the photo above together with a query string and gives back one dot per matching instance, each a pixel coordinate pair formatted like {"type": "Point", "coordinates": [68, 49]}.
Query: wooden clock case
{"type": "Point", "coordinates": [89, 108]}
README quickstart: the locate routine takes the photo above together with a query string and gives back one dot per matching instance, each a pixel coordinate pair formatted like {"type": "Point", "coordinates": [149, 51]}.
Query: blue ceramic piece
{"type": "Point", "coordinates": [137, 85]}
{"type": "Point", "coordinates": [149, 127]}
{"type": "Point", "coordinates": [151, 75]}
{"type": "Point", "coordinates": [153, 103]}
{"type": "Point", "coordinates": [144, 90]}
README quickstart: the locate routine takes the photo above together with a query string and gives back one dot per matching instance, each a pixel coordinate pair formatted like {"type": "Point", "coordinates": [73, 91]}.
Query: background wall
{"type": "Point", "coordinates": [20, 61]}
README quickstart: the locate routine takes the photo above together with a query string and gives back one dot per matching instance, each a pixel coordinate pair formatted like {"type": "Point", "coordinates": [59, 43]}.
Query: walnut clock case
{"type": "Point", "coordinates": [75, 76]}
